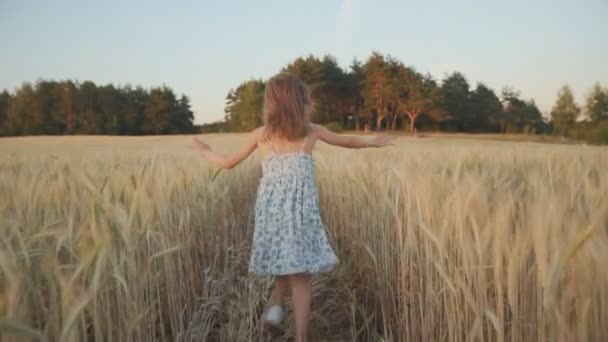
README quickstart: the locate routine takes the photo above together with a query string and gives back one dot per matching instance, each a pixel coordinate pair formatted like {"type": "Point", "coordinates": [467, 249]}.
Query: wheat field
{"type": "Point", "coordinates": [439, 239]}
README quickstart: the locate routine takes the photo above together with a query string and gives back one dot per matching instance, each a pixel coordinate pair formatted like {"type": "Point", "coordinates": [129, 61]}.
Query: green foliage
{"type": "Point", "coordinates": [335, 127]}
{"type": "Point", "coordinates": [599, 134]}
{"type": "Point", "coordinates": [4, 102]}
{"type": "Point", "coordinates": [65, 107]}
{"type": "Point", "coordinates": [521, 116]}
{"type": "Point", "coordinates": [163, 113]}
{"type": "Point", "coordinates": [486, 110]}
{"type": "Point", "coordinates": [596, 104]}
{"type": "Point", "coordinates": [377, 89]}
{"type": "Point", "coordinates": [565, 111]}
{"type": "Point", "coordinates": [455, 101]}
{"type": "Point", "coordinates": [412, 94]}
{"type": "Point", "coordinates": [214, 127]}
{"type": "Point", "coordinates": [330, 86]}
{"type": "Point", "coordinates": [512, 128]}
{"type": "Point", "coordinates": [593, 132]}
{"type": "Point", "coordinates": [244, 106]}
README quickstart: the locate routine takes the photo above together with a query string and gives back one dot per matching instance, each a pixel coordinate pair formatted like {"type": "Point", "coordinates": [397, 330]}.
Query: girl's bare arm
{"type": "Point", "coordinates": [228, 161]}
{"type": "Point", "coordinates": [351, 141]}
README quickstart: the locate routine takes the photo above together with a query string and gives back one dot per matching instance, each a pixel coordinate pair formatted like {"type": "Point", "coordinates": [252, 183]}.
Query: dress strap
{"type": "Point", "coordinates": [271, 146]}
{"type": "Point", "coordinates": [304, 144]}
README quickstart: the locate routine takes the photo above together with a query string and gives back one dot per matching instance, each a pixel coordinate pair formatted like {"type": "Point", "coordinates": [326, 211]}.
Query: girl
{"type": "Point", "coordinates": [289, 240]}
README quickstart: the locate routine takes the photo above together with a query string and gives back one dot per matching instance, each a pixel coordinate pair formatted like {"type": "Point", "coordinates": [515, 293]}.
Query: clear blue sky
{"type": "Point", "coordinates": [204, 48]}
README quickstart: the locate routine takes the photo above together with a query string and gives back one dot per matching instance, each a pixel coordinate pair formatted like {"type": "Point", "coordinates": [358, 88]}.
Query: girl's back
{"type": "Point", "coordinates": [287, 159]}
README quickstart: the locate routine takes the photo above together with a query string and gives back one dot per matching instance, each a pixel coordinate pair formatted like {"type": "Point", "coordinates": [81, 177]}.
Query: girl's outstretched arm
{"type": "Point", "coordinates": [231, 160]}
{"type": "Point", "coordinates": [351, 141]}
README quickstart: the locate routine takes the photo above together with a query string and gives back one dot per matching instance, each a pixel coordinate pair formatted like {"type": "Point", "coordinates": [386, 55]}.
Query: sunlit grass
{"type": "Point", "coordinates": [131, 239]}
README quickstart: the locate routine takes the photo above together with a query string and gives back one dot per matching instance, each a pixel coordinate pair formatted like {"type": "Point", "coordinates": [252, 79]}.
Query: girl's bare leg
{"type": "Point", "coordinates": [301, 298]}
{"type": "Point", "coordinates": [278, 293]}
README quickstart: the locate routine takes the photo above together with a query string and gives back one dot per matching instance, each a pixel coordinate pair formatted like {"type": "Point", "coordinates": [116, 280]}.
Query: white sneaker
{"type": "Point", "coordinates": [274, 316]}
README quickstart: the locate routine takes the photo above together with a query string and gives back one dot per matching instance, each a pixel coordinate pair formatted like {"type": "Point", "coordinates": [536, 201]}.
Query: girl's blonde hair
{"type": "Point", "coordinates": [287, 105]}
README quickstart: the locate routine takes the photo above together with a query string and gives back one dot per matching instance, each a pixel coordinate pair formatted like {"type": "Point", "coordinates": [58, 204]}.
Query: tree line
{"type": "Point", "coordinates": [385, 94]}
{"type": "Point", "coordinates": [66, 107]}
{"type": "Point", "coordinates": [381, 93]}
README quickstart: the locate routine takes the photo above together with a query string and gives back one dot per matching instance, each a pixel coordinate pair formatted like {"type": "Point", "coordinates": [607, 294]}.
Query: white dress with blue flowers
{"type": "Point", "coordinates": [289, 235]}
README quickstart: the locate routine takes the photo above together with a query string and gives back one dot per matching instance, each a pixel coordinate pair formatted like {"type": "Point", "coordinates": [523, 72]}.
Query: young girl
{"type": "Point", "coordinates": [289, 240]}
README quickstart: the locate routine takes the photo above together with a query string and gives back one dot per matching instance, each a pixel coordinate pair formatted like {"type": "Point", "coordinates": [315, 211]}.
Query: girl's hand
{"type": "Point", "coordinates": [201, 145]}
{"type": "Point", "coordinates": [231, 160]}
{"type": "Point", "coordinates": [382, 140]}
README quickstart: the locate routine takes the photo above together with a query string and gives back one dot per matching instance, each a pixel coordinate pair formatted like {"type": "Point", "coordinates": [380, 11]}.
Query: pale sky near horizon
{"type": "Point", "coordinates": [204, 48]}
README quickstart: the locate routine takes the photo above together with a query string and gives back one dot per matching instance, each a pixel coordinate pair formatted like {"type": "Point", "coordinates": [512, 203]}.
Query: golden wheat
{"type": "Point", "coordinates": [133, 239]}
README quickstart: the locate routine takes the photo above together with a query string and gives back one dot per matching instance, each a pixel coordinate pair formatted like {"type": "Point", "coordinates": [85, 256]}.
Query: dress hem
{"type": "Point", "coordinates": [316, 270]}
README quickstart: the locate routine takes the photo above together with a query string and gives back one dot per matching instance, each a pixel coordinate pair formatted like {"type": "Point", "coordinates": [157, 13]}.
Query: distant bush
{"type": "Point", "coordinates": [599, 134]}
{"type": "Point", "coordinates": [335, 127]}
{"type": "Point", "coordinates": [591, 132]}
{"type": "Point", "coordinates": [512, 128]}
{"type": "Point", "coordinates": [580, 131]}
{"type": "Point", "coordinates": [214, 127]}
